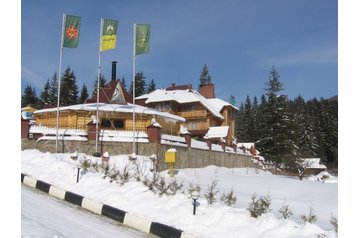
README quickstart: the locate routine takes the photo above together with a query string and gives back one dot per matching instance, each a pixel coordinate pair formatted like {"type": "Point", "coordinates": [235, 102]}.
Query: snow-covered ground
{"type": "Point", "coordinates": [216, 220]}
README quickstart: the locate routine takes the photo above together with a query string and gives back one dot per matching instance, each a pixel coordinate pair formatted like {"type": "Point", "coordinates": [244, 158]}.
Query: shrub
{"type": "Point", "coordinates": [162, 187]}
{"type": "Point", "coordinates": [174, 187]}
{"type": "Point", "coordinates": [311, 218]}
{"type": "Point", "coordinates": [211, 192]}
{"type": "Point", "coordinates": [229, 199]}
{"type": "Point", "coordinates": [193, 187]}
{"type": "Point", "coordinates": [124, 175]}
{"type": "Point", "coordinates": [113, 174]}
{"type": "Point", "coordinates": [96, 166]}
{"type": "Point", "coordinates": [334, 222]}
{"type": "Point", "coordinates": [85, 164]}
{"type": "Point", "coordinates": [259, 206]}
{"type": "Point", "coordinates": [285, 211]}
{"type": "Point", "coordinates": [151, 184]}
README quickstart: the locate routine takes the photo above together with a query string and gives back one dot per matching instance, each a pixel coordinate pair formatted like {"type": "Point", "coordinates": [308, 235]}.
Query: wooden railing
{"type": "Point", "coordinates": [193, 114]}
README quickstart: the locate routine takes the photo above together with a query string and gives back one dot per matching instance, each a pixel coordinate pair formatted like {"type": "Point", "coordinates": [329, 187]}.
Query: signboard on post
{"type": "Point", "coordinates": [170, 158]}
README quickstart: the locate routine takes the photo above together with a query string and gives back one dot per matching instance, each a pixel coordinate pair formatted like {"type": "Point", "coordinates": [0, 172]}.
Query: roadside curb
{"type": "Point", "coordinates": [125, 218]}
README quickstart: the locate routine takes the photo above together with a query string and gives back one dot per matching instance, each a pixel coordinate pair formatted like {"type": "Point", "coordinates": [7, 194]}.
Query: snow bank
{"type": "Point", "coordinates": [215, 220]}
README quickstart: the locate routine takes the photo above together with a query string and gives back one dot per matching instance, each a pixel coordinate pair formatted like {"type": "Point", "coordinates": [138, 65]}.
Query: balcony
{"type": "Point", "coordinates": [193, 114]}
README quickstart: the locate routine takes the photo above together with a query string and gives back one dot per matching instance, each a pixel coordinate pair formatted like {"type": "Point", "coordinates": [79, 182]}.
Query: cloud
{"type": "Point", "coordinates": [31, 77]}
{"type": "Point", "coordinates": [307, 57]}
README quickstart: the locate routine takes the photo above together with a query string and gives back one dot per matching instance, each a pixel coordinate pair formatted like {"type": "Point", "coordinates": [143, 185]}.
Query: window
{"type": "Point", "coordinates": [112, 123]}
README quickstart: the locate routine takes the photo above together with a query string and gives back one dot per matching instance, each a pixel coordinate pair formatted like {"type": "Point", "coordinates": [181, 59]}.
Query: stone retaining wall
{"type": "Point", "coordinates": [186, 157]}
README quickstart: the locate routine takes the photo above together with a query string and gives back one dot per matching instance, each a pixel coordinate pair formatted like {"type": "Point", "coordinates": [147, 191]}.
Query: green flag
{"type": "Point", "coordinates": [142, 39]}
{"type": "Point", "coordinates": [71, 31]}
{"type": "Point", "coordinates": [232, 100]}
{"type": "Point", "coordinates": [109, 34]}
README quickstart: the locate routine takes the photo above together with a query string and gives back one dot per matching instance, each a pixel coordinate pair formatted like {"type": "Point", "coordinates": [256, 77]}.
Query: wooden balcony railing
{"type": "Point", "coordinates": [193, 114]}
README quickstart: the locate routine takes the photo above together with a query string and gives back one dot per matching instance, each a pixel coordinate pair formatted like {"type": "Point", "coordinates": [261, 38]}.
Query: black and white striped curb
{"type": "Point", "coordinates": [116, 214]}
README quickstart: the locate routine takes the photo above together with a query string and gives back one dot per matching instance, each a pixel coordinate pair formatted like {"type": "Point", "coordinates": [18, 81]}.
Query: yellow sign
{"type": "Point", "coordinates": [170, 157]}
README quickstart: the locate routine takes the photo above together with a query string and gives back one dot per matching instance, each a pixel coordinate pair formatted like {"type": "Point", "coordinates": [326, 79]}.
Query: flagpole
{"type": "Point", "coordinates": [59, 80]}
{"type": "Point", "coordinates": [134, 54]}
{"type": "Point", "coordinates": [98, 79]}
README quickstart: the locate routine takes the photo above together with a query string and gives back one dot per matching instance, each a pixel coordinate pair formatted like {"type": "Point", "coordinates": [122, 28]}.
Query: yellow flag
{"type": "Point", "coordinates": [109, 34]}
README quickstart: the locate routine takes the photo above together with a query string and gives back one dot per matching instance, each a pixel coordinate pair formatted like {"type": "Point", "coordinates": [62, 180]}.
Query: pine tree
{"type": "Point", "coordinates": [53, 90]}
{"type": "Point", "coordinates": [29, 98]}
{"type": "Point", "coordinates": [102, 82]}
{"type": "Point", "coordinates": [123, 82]}
{"type": "Point", "coordinates": [205, 78]}
{"type": "Point", "coordinates": [83, 95]}
{"type": "Point", "coordinates": [69, 88]}
{"type": "Point", "coordinates": [45, 95]}
{"type": "Point", "coordinates": [279, 146]}
{"type": "Point", "coordinates": [140, 85]}
{"type": "Point", "coordinates": [262, 129]}
{"type": "Point", "coordinates": [240, 125]}
{"type": "Point", "coordinates": [151, 86]}
{"type": "Point", "coordinates": [306, 140]}
{"type": "Point", "coordinates": [255, 129]}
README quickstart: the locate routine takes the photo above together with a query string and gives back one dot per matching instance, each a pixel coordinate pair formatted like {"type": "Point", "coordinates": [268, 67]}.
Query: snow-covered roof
{"type": "Point", "coordinates": [213, 105]}
{"type": "Point", "coordinates": [103, 107]}
{"type": "Point", "coordinates": [36, 129]}
{"type": "Point", "coordinates": [246, 145]}
{"type": "Point", "coordinates": [217, 132]}
{"type": "Point", "coordinates": [313, 163]}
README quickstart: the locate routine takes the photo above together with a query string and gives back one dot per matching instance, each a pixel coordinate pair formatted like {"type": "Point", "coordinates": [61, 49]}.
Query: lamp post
{"type": "Point", "coordinates": [78, 171]}
{"type": "Point", "coordinates": [194, 195]}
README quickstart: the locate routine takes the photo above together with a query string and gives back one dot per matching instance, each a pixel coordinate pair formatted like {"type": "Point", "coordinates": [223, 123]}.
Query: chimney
{"type": "Point", "coordinates": [114, 69]}
{"type": "Point", "coordinates": [207, 90]}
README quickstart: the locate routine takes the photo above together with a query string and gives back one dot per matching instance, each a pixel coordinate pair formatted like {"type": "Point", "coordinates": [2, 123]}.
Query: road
{"type": "Point", "coordinates": [45, 216]}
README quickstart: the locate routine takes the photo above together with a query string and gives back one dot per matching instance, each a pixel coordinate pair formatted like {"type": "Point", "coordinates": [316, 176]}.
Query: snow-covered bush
{"type": "Point", "coordinates": [311, 218]}
{"type": "Point", "coordinates": [193, 187]}
{"type": "Point", "coordinates": [162, 187]}
{"type": "Point", "coordinates": [229, 199]}
{"type": "Point", "coordinates": [124, 175]}
{"type": "Point", "coordinates": [113, 174]}
{"type": "Point", "coordinates": [334, 222]}
{"type": "Point", "coordinates": [85, 164]}
{"type": "Point", "coordinates": [259, 206]}
{"type": "Point", "coordinates": [285, 211]}
{"type": "Point", "coordinates": [96, 166]}
{"type": "Point", "coordinates": [211, 192]}
{"type": "Point", "coordinates": [174, 187]}
{"type": "Point", "coordinates": [151, 183]}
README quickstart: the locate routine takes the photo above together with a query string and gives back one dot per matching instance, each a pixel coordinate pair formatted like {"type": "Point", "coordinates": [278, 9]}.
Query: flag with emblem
{"type": "Point", "coordinates": [109, 34]}
{"type": "Point", "coordinates": [142, 39]}
{"type": "Point", "coordinates": [71, 31]}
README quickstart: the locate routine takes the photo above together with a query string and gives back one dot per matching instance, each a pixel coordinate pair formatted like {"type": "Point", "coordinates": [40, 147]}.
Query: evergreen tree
{"type": "Point", "coordinates": [140, 85]}
{"type": "Point", "coordinates": [151, 86]}
{"type": "Point", "coordinates": [124, 85]}
{"type": "Point", "coordinates": [102, 82]}
{"type": "Point", "coordinates": [29, 98]}
{"type": "Point", "coordinates": [205, 78]}
{"type": "Point", "coordinates": [53, 90]}
{"type": "Point", "coordinates": [83, 95]}
{"type": "Point", "coordinates": [262, 130]}
{"type": "Point", "coordinates": [279, 146]}
{"type": "Point", "coordinates": [306, 140]}
{"type": "Point", "coordinates": [69, 88]}
{"type": "Point", "coordinates": [240, 125]}
{"type": "Point", "coordinates": [255, 120]}
{"type": "Point", "coordinates": [45, 95]}
{"type": "Point", "coordinates": [248, 119]}
{"type": "Point", "coordinates": [329, 131]}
